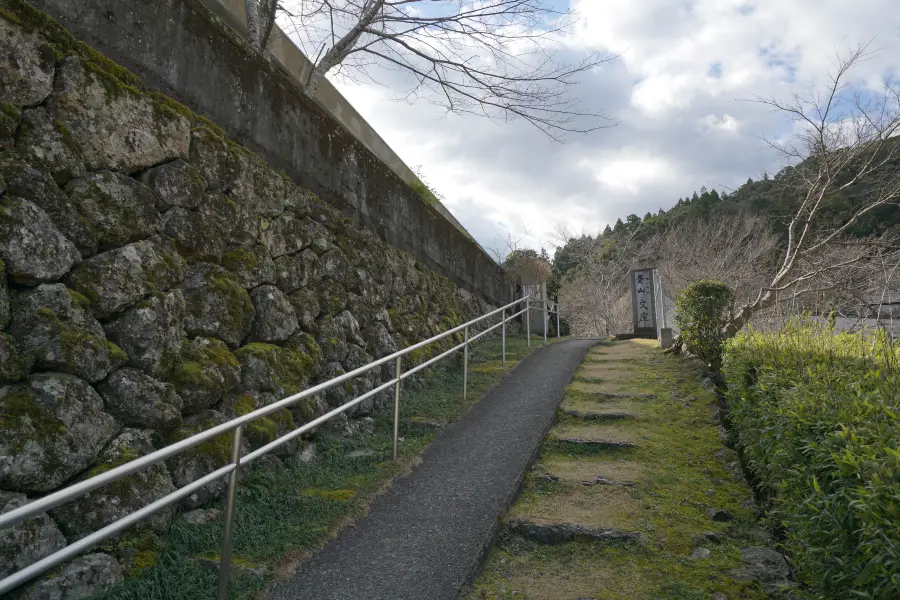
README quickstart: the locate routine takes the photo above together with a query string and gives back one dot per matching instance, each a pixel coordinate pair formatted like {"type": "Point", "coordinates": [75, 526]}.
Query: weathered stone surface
{"type": "Point", "coordinates": [151, 332]}
{"type": "Point", "coordinates": [306, 307]}
{"type": "Point", "coordinates": [201, 460]}
{"type": "Point", "coordinates": [26, 181]}
{"type": "Point", "coordinates": [275, 319]}
{"type": "Point", "coordinates": [4, 297]}
{"type": "Point", "coordinates": [296, 271]}
{"type": "Point", "coordinates": [285, 234]}
{"type": "Point", "coordinates": [265, 429]}
{"type": "Point", "coordinates": [121, 131]}
{"type": "Point", "coordinates": [175, 184]}
{"type": "Point", "coordinates": [60, 335]}
{"type": "Point", "coordinates": [714, 537]}
{"type": "Point", "coordinates": [257, 185]}
{"type": "Point", "coordinates": [356, 357]}
{"type": "Point", "coordinates": [206, 372]}
{"type": "Point", "coordinates": [251, 265]}
{"type": "Point", "coordinates": [201, 516]}
{"type": "Point", "coordinates": [334, 265]}
{"type": "Point", "coordinates": [14, 364]}
{"type": "Point", "coordinates": [52, 427]}
{"type": "Point", "coordinates": [596, 444]}
{"type": "Point", "coordinates": [339, 394]}
{"type": "Point", "coordinates": [719, 515]}
{"type": "Point", "coordinates": [764, 565]}
{"type": "Point", "coordinates": [193, 236]}
{"type": "Point", "coordinates": [110, 503]}
{"type": "Point", "coordinates": [320, 239]}
{"type": "Point", "coordinates": [332, 340]}
{"type": "Point", "coordinates": [119, 209]}
{"type": "Point", "coordinates": [10, 116]}
{"type": "Point", "coordinates": [47, 144]}
{"type": "Point", "coordinates": [561, 533]}
{"type": "Point", "coordinates": [27, 542]}
{"type": "Point", "coordinates": [26, 73]}
{"type": "Point", "coordinates": [217, 305]}
{"type": "Point", "coordinates": [601, 415]}
{"type": "Point", "coordinates": [137, 400]}
{"type": "Point", "coordinates": [269, 368]}
{"type": "Point", "coordinates": [32, 247]}
{"type": "Point", "coordinates": [85, 577]}
{"type": "Point", "coordinates": [700, 554]}
{"type": "Point", "coordinates": [210, 154]}
{"type": "Point", "coordinates": [238, 224]}
{"type": "Point", "coordinates": [307, 345]}
{"type": "Point", "coordinates": [379, 340]}
{"type": "Point", "coordinates": [350, 326]}
{"type": "Point", "coordinates": [332, 297]}
{"type": "Point", "coordinates": [117, 279]}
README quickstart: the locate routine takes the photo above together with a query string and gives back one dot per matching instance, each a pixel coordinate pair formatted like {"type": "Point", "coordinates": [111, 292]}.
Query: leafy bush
{"type": "Point", "coordinates": [702, 310]}
{"type": "Point", "coordinates": [817, 416]}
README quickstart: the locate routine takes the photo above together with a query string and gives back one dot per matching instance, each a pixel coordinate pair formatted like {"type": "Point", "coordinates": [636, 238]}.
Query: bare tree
{"type": "Point", "coordinates": [261, 17]}
{"type": "Point", "coordinates": [846, 144]}
{"type": "Point", "coordinates": [737, 249]}
{"type": "Point", "coordinates": [494, 58]}
{"type": "Point", "coordinates": [595, 294]}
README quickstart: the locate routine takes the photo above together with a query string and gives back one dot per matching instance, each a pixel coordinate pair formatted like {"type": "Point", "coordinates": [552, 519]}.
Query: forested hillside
{"type": "Point", "coordinates": [775, 199]}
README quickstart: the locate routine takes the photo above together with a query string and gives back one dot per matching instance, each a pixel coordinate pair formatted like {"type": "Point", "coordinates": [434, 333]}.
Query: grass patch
{"type": "Point", "coordinates": [286, 514]}
{"type": "Point", "coordinates": [676, 474]}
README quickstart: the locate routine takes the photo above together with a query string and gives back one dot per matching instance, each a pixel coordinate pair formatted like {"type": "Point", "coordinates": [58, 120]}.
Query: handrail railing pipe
{"type": "Point", "coordinates": [232, 469]}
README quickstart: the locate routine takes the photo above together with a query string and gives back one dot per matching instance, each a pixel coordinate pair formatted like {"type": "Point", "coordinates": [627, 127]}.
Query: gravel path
{"type": "Point", "coordinates": [425, 538]}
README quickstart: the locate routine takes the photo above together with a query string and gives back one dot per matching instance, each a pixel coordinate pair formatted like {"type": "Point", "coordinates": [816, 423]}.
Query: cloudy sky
{"type": "Point", "coordinates": [680, 93]}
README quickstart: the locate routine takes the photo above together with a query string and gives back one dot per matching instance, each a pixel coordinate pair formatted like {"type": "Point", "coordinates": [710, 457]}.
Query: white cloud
{"type": "Point", "coordinates": [680, 91]}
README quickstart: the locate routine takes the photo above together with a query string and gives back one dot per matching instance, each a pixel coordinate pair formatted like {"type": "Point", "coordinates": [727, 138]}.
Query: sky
{"type": "Point", "coordinates": [681, 93]}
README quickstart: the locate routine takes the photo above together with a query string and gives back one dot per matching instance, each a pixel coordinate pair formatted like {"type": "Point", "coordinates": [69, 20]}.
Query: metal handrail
{"type": "Point", "coordinates": [231, 469]}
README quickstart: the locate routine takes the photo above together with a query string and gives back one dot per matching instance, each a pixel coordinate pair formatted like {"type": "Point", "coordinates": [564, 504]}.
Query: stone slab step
{"type": "Point", "coordinates": [601, 415]}
{"type": "Point", "coordinates": [596, 444]}
{"type": "Point", "coordinates": [561, 533]}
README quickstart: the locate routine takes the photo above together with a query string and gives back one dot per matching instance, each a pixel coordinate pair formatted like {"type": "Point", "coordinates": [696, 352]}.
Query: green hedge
{"type": "Point", "coordinates": [817, 416]}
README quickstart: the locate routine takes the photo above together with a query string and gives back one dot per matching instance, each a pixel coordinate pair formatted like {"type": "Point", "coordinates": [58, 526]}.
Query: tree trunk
{"type": "Point", "coordinates": [252, 9]}
{"type": "Point", "coordinates": [269, 12]}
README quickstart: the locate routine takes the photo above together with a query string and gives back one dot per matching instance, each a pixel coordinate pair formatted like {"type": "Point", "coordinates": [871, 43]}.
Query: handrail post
{"type": "Point", "coordinates": [228, 534]}
{"type": "Point", "coordinates": [528, 319]}
{"type": "Point", "coordinates": [466, 363]}
{"type": "Point", "coordinates": [503, 339]}
{"type": "Point", "coordinates": [546, 320]}
{"type": "Point", "coordinates": [397, 373]}
{"type": "Point", "coordinates": [558, 331]}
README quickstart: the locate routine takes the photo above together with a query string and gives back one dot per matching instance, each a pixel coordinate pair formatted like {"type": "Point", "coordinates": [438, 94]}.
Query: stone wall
{"type": "Point", "coordinates": [179, 48]}
{"type": "Point", "coordinates": [157, 279]}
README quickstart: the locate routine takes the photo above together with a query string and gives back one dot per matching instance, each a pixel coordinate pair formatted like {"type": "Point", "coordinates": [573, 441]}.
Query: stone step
{"type": "Point", "coordinates": [607, 396]}
{"type": "Point", "coordinates": [601, 415]}
{"type": "Point", "coordinates": [560, 533]}
{"type": "Point", "coordinates": [596, 444]}
{"type": "Point", "coordinates": [600, 480]}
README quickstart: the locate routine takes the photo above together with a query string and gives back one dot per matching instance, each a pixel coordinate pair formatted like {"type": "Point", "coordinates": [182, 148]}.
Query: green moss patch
{"type": "Point", "coordinates": [660, 488]}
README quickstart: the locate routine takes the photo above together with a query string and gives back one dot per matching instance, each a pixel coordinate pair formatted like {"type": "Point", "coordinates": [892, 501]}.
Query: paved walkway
{"type": "Point", "coordinates": [425, 538]}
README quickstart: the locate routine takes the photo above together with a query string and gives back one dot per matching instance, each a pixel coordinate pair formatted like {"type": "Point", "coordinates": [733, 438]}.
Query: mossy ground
{"type": "Point", "coordinates": [675, 473]}
{"type": "Point", "coordinates": [283, 516]}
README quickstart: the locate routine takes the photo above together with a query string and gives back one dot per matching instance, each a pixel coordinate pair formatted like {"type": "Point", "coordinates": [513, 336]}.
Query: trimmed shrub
{"type": "Point", "coordinates": [702, 311]}
{"type": "Point", "coordinates": [817, 417]}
